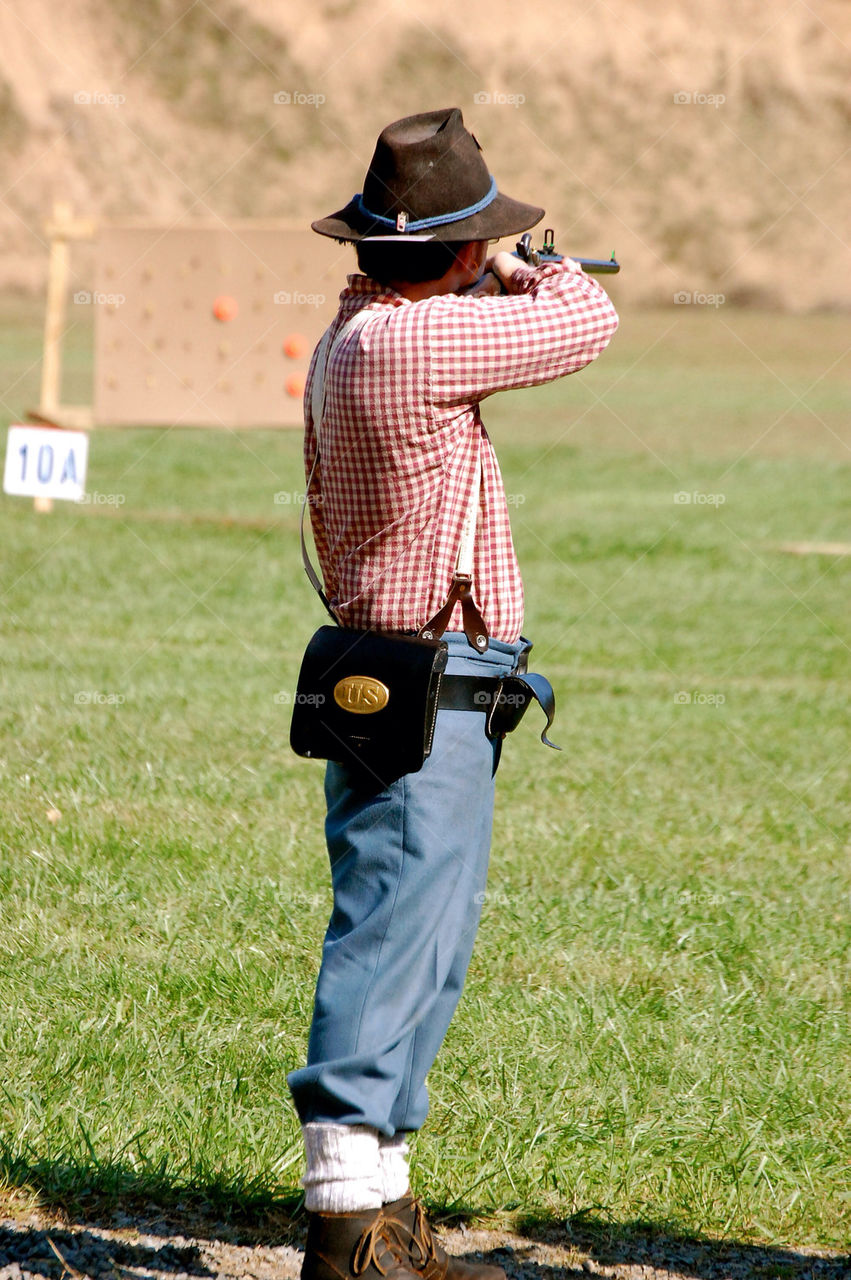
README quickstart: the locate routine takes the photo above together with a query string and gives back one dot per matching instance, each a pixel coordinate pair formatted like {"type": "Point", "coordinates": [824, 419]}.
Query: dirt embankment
{"type": "Point", "coordinates": [706, 144]}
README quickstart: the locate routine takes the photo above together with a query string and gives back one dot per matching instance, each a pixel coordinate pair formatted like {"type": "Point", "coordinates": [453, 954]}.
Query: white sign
{"type": "Point", "coordinates": [45, 462]}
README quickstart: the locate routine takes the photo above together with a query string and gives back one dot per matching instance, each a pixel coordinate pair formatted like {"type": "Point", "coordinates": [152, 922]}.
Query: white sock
{"type": "Point", "coordinates": [393, 1164]}
{"type": "Point", "coordinates": [343, 1168]}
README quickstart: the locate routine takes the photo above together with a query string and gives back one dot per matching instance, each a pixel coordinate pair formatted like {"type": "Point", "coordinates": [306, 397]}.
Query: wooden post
{"type": "Point", "coordinates": [61, 229]}
{"type": "Point", "coordinates": [54, 316]}
{"type": "Point", "coordinates": [54, 321]}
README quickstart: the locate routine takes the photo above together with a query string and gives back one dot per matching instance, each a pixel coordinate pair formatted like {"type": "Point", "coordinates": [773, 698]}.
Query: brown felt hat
{"type": "Point", "coordinates": [428, 180]}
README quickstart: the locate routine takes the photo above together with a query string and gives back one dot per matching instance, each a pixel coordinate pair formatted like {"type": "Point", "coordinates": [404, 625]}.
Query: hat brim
{"type": "Point", "coordinates": [502, 217]}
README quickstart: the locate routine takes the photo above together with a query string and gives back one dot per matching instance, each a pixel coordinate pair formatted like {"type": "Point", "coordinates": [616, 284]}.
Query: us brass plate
{"type": "Point", "coordinates": [362, 695]}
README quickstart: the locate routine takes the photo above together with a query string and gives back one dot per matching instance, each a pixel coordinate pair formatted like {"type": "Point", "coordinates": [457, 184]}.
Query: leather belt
{"type": "Point", "coordinates": [467, 693]}
{"type": "Point", "coordinates": [504, 699]}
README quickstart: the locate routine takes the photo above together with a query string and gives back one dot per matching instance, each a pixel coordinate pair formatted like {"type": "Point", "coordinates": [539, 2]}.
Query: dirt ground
{"type": "Point", "coordinates": [152, 1248]}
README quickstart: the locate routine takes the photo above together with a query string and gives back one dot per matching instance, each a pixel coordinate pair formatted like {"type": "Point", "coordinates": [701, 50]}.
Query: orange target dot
{"type": "Point", "coordinates": [295, 345]}
{"type": "Point", "coordinates": [294, 385]}
{"type": "Point", "coordinates": [225, 307]}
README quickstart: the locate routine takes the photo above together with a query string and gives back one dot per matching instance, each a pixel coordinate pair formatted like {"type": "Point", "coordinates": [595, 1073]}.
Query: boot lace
{"type": "Point", "coordinates": [415, 1242]}
{"type": "Point", "coordinates": [376, 1248]}
{"type": "Point", "coordinates": [421, 1238]}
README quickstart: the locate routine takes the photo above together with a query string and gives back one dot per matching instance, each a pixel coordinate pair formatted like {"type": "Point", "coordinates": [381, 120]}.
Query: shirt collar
{"type": "Point", "coordinates": [362, 289]}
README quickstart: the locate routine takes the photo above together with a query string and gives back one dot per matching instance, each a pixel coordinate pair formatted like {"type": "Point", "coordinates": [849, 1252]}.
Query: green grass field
{"type": "Point", "coordinates": [656, 1023]}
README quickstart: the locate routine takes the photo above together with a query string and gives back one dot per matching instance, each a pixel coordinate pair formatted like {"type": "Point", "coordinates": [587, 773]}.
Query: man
{"type": "Point", "coordinates": [403, 452]}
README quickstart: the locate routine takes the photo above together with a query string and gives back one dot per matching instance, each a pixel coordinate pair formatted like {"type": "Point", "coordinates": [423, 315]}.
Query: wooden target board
{"type": "Point", "coordinates": [210, 326]}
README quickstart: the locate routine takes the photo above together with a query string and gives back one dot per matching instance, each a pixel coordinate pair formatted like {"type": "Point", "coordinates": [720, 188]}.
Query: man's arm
{"type": "Point", "coordinates": [556, 321]}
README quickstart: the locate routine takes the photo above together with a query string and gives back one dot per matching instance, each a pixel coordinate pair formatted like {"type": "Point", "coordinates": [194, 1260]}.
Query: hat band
{"type": "Point", "coordinates": [401, 223]}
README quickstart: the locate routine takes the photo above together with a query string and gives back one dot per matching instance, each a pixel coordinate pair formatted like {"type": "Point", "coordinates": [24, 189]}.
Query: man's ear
{"type": "Point", "coordinates": [468, 254]}
{"type": "Point", "coordinates": [467, 259]}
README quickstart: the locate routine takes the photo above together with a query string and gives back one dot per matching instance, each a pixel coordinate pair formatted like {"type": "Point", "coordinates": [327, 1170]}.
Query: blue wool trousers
{"type": "Point", "coordinates": [408, 868]}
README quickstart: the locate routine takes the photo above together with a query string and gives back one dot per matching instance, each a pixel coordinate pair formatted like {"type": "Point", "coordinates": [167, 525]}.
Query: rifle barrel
{"type": "Point", "coordinates": [599, 266]}
{"type": "Point", "coordinates": [594, 266]}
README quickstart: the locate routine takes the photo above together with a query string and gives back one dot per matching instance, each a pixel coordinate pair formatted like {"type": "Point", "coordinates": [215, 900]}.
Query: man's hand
{"type": "Point", "coordinates": [497, 275]}
{"type": "Point", "coordinates": [502, 265]}
{"type": "Point", "coordinates": [498, 272]}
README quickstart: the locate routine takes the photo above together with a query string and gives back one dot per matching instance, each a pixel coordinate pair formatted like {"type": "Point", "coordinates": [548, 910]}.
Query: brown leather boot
{"type": "Point", "coordinates": [343, 1246]}
{"type": "Point", "coordinates": [407, 1225]}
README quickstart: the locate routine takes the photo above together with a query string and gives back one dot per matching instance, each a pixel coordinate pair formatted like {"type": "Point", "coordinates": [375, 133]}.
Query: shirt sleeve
{"type": "Point", "coordinates": [558, 324]}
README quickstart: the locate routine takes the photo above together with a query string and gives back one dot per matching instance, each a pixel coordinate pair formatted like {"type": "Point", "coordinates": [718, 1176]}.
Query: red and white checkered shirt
{"type": "Point", "coordinates": [401, 438]}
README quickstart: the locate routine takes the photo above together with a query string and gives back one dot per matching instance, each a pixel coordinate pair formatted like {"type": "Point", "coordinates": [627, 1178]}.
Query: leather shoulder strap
{"type": "Point", "coordinates": [324, 352]}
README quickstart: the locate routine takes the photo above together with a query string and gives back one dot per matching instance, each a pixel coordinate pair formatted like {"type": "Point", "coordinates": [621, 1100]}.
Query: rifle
{"type": "Point", "coordinates": [537, 257]}
{"type": "Point", "coordinates": [547, 253]}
